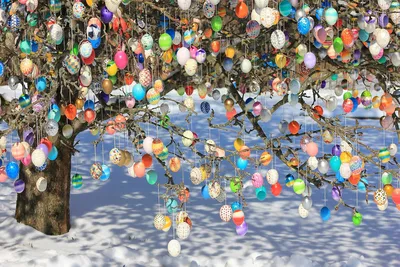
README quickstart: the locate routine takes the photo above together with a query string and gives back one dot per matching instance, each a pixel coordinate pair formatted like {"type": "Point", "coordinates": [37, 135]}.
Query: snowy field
{"type": "Point", "coordinates": [112, 221]}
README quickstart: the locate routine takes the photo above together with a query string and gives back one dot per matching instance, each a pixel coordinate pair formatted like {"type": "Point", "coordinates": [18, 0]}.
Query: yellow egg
{"type": "Point", "coordinates": [280, 60]}
{"type": "Point", "coordinates": [238, 143]}
{"type": "Point", "coordinates": [345, 157]}
{"type": "Point", "coordinates": [230, 52]}
{"type": "Point", "coordinates": [112, 68]}
{"type": "Point", "coordinates": [89, 2]}
{"type": "Point", "coordinates": [167, 224]}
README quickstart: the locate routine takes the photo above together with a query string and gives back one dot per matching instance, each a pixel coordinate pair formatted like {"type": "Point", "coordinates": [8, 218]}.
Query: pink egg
{"type": "Point", "coordinates": [193, 51]}
{"type": "Point", "coordinates": [257, 107]}
{"type": "Point", "coordinates": [139, 169]}
{"type": "Point", "coordinates": [257, 180]}
{"type": "Point", "coordinates": [27, 160]}
{"type": "Point", "coordinates": [312, 149]}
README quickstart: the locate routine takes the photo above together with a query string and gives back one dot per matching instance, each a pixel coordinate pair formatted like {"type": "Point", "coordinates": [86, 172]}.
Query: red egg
{"type": "Point", "coordinates": [90, 115]}
{"type": "Point", "coordinates": [276, 189]}
{"type": "Point", "coordinates": [294, 127]}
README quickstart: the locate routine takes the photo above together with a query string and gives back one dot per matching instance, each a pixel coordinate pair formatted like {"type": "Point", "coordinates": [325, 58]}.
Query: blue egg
{"type": "Point", "coordinates": [19, 186]}
{"type": "Point", "coordinates": [303, 25]}
{"type": "Point", "coordinates": [204, 192]}
{"type": "Point", "coordinates": [317, 44]}
{"type": "Point", "coordinates": [105, 173]}
{"type": "Point", "coordinates": [355, 103]}
{"type": "Point", "coordinates": [335, 163]}
{"type": "Point", "coordinates": [319, 13]}
{"type": "Point", "coordinates": [53, 153]}
{"type": "Point", "coordinates": [164, 20]}
{"type": "Point", "coordinates": [12, 170]}
{"type": "Point", "coordinates": [171, 205]}
{"type": "Point", "coordinates": [227, 64]}
{"type": "Point", "coordinates": [361, 186]}
{"type": "Point", "coordinates": [138, 92]}
{"type": "Point", "coordinates": [205, 107]}
{"type": "Point", "coordinates": [40, 83]}
{"type": "Point", "coordinates": [140, 58]}
{"type": "Point", "coordinates": [325, 213]}
{"type": "Point", "coordinates": [285, 8]}
{"type": "Point", "coordinates": [339, 178]}
{"type": "Point", "coordinates": [89, 104]}
{"type": "Point", "coordinates": [242, 163]}
{"type": "Point", "coordinates": [236, 206]}
{"type": "Point", "coordinates": [1, 69]}
{"type": "Point", "coordinates": [171, 33]}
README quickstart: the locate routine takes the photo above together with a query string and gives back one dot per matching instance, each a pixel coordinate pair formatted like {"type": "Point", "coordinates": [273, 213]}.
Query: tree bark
{"type": "Point", "coordinates": [48, 211]}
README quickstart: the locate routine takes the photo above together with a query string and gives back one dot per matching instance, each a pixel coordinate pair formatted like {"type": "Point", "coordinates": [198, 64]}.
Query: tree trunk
{"type": "Point", "coordinates": [47, 211]}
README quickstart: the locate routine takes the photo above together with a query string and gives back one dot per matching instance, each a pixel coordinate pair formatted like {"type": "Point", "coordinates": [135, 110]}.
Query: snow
{"type": "Point", "coordinates": [112, 221]}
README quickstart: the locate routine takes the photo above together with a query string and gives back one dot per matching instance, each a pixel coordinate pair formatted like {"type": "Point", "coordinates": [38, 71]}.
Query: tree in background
{"type": "Point", "coordinates": [104, 67]}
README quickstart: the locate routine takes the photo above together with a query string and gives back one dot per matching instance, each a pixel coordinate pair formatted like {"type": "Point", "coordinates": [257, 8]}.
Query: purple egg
{"type": "Point", "coordinates": [357, 54]}
{"type": "Point", "coordinates": [336, 194]}
{"type": "Point", "coordinates": [140, 66]}
{"type": "Point", "coordinates": [29, 136]}
{"type": "Point", "coordinates": [257, 107]}
{"type": "Point", "coordinates": [383, 20]}
{"type": "Point", "coordinates": [323, 84]}
{"type": "Point", "coordinates": [19, 186]}
{"type": "Point", "coordinates": [105, 97]}
{"type": "Point", "coordinates": [336, 150]}
{"type": "Point", "coordinates": [242, 229]}
{"type": "Point", "coordinates": [44, 148]}
{"type": "Point", "coordinates": [106, 15]}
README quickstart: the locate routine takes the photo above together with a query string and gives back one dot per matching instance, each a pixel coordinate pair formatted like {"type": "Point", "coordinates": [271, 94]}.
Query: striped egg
{"type": "Point", "coordinates": [384, 155]}
{"type": "Point", "coordinates": [153, 96]}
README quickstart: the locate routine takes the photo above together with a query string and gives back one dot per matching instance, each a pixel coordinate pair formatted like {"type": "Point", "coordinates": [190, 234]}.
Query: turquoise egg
{"type": "Point", "coordinates": [151, 177]}
{"type": "Point", "coordinates": [77, 181]}
{"type": "Point", "coordinates": [285, 8]}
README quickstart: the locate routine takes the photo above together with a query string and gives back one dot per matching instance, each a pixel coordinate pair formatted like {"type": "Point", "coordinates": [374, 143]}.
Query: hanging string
{"type": "Point", "coordinates": [325, 196]}
{"type": "Point", "coordinates": [76, 163]}
{"type": "Point", "coordinates": [102, 150]}
{"type": "Point", "coordinates": [158, 198]}
{"type": "Point", "coordinates": [95, 154]}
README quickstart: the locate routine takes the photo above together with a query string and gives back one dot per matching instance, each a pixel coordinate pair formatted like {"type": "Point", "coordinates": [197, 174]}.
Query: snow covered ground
{"type": "Point", "coordinates": [112, 221]}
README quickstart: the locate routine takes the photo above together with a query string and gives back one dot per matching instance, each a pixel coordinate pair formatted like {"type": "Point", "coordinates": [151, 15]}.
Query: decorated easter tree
{"type": "Point", "coordinates": [105, 66]}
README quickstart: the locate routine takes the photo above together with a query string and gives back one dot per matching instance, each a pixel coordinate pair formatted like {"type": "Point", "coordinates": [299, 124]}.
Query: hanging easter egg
{"type": "Point", "coordinates": [312, 149]}
{"type": "Point", "coordinates": [216, 23]}
{"type": "Point", "coordinates": [294, 127]}
{"type": "Point", "coordinates": [289, 180]}
{"type": "Point", "coordinates": [253, 29]}
{"type": "Point", "coordinates": [303, 212]}
{"type": "Point", "coordinates": [12, 170]}
{"type": "Point", "coordinates": [187, 138]}
{"type": "Point", "coordinates": [323, 166]}
{"type": "Point", "coordinates": [242, 163]}
{"type": "Point", "coordinates": [276, 189]}
{"type": "Point", "coordinates": [165, 41]}
{"type": "Point", "coordinates": [335, 163]}
{"type": "Point", "coordinates": [331, 16]}
{"type": "Point", "coordinates": [285, 8]}
{"type": "Point", "coordinates": [174, 164]}
{"type": "Point", "coordinates": [303, 25]}
{"type": "Point", "coordinates": [53, 153]}
{"type": "Point", "coordinates": [245, 66]}
{"type": "Point", "coordinates": [18, 151]}
{"type": "Point", "coordinates": [310, 60]}
{"type": "Point", "coordinates": [225, 213]}
{"type": "Point", "coordinates": [38, 157]}
{"type": "Point", "coordinates": [174, 247]}
{"type": "Point", "coordinates": [196, 176]}
{"type": "Point", "coordinates": [159, 221]}
{"type": "Point", "coordinates": [96, 170]}
{"type": "Point", "coordinates": [384, 155]}
{"type": "Point", "coordinates": [357, 218]}
{"type": "Point", "coordinates": [157, 146]}
{"type": "Point", "coordinates": [205, 107]}
{"type": "Point", "coordinates": [380, 197]}
{"type": "Point", "coordinates": [19, 186]}
{"type": "Point", "coordinates": [325, 213]}
{"type": "Point", "coordinates": [238, 217]}
{"type": "Point", "coordinates": [278, 39]}
{"type": "Point", "coordinates": [299, 186]}
{"type": "Point", "coordinates": [392, 149]}
{"type": "Point", "coordinates": [210, 146]}
{"type": "Point", "coordinates": [272, 176]}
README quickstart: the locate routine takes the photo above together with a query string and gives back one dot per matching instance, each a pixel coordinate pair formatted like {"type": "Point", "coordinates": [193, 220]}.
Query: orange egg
{"type": "Point", "coordinates": [110, 128]}
{"type": "Point", "coordinates": [90, 115]}
{"type": "Point", "coordinates": [354, 178]}
{"type": "Point", "coordinates": [388, 188]}
{"type": "Point", "coordinates": [208, 33]}
{"type": "Point", "coordinates": [231, 114]}
{"type": "Point", "coordinates": [175, 164]}
{"type": "Point", "coordinates": [215, 46]}
{"type": "Point", "coordinates": [128, 78]}
{"type": "Point", "coordinates": [157, 146]}
{"type": "Point", "coordinates": [70, 112]}
{"type": "Point", "coordinates": [120, 122]}
{"type": "Point", "coordinates": [317, 112]}
{"type": "Point", "coordinates": [347, 37]}
{"type": "Point", "coordinates": [294, 127]}
{"type": "Point", "coordinates": [265, 158]}
{"type": "Point", "coordinates": [139, 169]}
{"type": "Point", "coordinates": [241, 10]}
{"type": "Point", "coordinates": [147, 160]}
{"type": "Point", "coordinates": [244, 152]}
